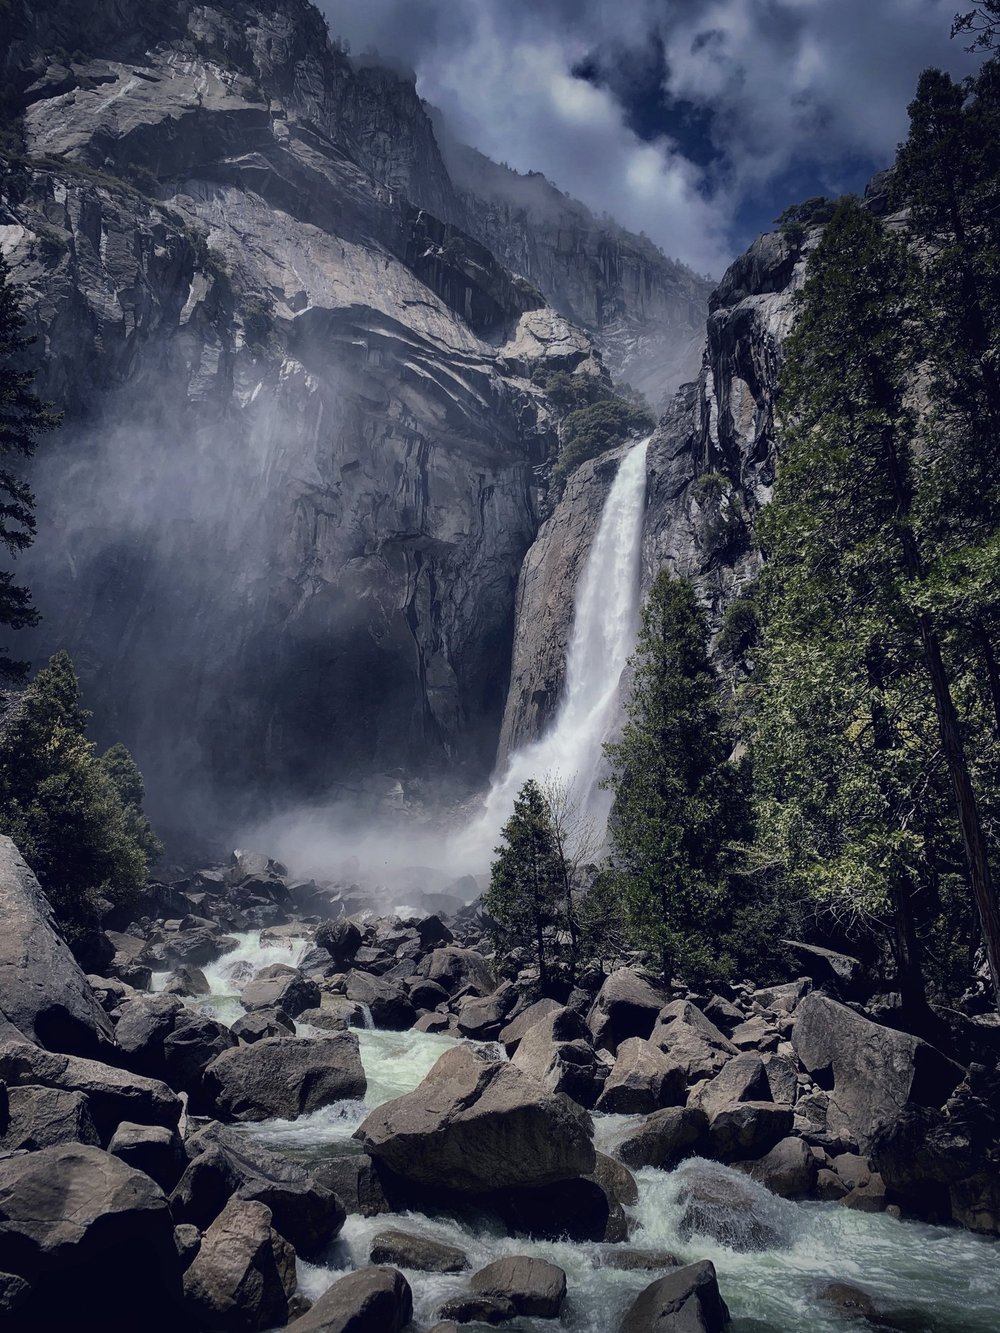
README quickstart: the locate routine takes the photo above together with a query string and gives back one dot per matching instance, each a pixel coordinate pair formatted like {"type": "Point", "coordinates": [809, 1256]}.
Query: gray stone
{"type": "Point", "coordinates": [664, 1138]}
{"type": "Point", "coordinates": [691, 1041]}
{"type": "Point", "coordinates": [88, 1232]}
{"type": "Point", "coordinates": [490, 1310]}
{"type": "Point", "coordinates": [153, 1149]}
{"type": "Point", "coordinates": [789, 1169]}
{"type": "Point", "coordinates": [455, 968]}
{"type": "Point", "coordinates": [371, 1300]}
{"type": "Point", "coordinates": [558, 1053]}
{"type": "Point", "coordinates": [533, 1286]}
{"type": "Point", "coordinates": [43, 990]}
{"type": "Point", "coordinates": [872, 1072]}
{"type": "Point", "coordinates": [386, 1000]}
{"type": "Point", "coordinates": [39, 1117]}
{"type": "Point", "coordinates": [643, 1080]}
{"type": "Point", "coordinates": [280, 987]}
{"type": "Point", "coordinates": [262, 1023]}
{"type": "Point", "coordinates": [341, 939]}
{"type": "Point", "coordinates": [687, 1300]}
{"type": "Point", "coordinates": [284, 1077]}
{"type": "Point", "coordinates": [475, 1125]}
{"type": "Point", "coordinates": [422, 1253]}
{"type": "Point", "coordinates": [515, 1030]}
{"type": "Point", "coordinates": [243, 1276]}
{"type": "Point", "coordinates": [187, 981]}
{"type": "Point", "coordinates": [627, 1005]}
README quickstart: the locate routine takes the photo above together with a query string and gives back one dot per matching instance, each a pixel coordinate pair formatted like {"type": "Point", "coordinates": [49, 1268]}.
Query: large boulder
{"type": "Point", "coordinates": [341, 939]}
{"type": "Point", "coordinates": [88, 1233]}
{"type": "Point", "coordinates": [280, 987]}
{"type": "Point", "coordinates": [224, 1163]}
{"type": "Point", "coordinates": [581, 1209]}
{"type": "Point", "coordinates": [38, 1117]}
{"type": "Point", "coordinates": [557, 1051]}
{"type": "Point", "coordinates": [643, 1080]}
{"type": "Point", "coordinates": [284, 1077]}
{"type": "Point", "coordinates": [190, 1048]}
{"type": "Point", "coordinates": [687, 1300]}
{"type": "Point", "coordinates": [734, 1212]}
{"type": "Point", "coordinates": [691, 1040]}
{"type": "Point", "coordinates": [455, 969]}
{"type": "Point", "coordinates": [626, 1006]}
{"type": "Point", "coordinates": [533, 1286]}
{"type": "Point", "coordinates": [475, 1125]}
{"type": "Point", "coordinates": [144, 1023]}
{"type": "Point", "coordinates": [243, 1276]}
{"type": "Point", "coordinates": [113, 1095]}
{"type": "Point", "coordinates": [421, 1253]}
{"type": "Point", "coordinates": [872, 1073]}
{"type": "Point", "coordinates": [43, 990]}
{"type": "Point", "coordinates": [664, 1138]}
{"type": "Point", "coordinates": [788, 1170]}
{"type": "Point", "coordinates": [371, 1300]}
{"type": "Point", "coordinates": [387, 1002]}
{"type": "Point", "coordinates": [513, 1033]}
{"type": "Point", "coordinates": [153, 1149]}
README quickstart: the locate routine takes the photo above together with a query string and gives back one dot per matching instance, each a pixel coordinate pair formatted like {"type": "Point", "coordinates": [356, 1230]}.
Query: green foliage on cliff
{"type": "Point", "coordinates": [591, 431]}
{"type": "Point", "coordinates": [23, 417]}
{"type": "Point", "coordinates": [75, 815]}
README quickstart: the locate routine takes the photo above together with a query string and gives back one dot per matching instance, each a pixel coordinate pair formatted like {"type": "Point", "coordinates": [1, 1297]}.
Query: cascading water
{"type": "Point", "coordinates": [604, 629]}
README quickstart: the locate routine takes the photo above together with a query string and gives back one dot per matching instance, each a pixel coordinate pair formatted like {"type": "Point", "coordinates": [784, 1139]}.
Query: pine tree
{"type": "Point", "coordinates": [23, 416]}
{"type": "Point", "coordinates": [75, 817]}
{"type": "Point", "coordinates": [528, 881]}
{"type": "Point", "coordinates": [679, 804]}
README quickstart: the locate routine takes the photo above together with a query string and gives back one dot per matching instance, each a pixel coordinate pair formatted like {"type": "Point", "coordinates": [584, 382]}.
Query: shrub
{"type": "Point", "coordinates": [591, 431]}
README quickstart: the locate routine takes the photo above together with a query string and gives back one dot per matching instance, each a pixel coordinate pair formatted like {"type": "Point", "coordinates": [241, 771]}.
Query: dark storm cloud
{"type": "Point", "coordinates": [677, 116]}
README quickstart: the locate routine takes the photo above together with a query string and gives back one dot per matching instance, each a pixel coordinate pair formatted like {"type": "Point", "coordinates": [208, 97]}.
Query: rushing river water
{"type": "Point", "coordinates": [925, 1279]}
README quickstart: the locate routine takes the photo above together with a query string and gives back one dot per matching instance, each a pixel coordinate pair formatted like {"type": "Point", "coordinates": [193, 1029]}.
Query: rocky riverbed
{"type": "Point", "coordinates": [264, 1107]}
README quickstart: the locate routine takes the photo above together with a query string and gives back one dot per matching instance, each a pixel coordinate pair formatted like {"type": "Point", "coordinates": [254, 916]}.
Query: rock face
{"type": "Point", "coordinates": [475, 1125]}
{"type": "Point", "coordinates": [88, 1232]}
{"type": "Point", "coordinates": [873, 1072]}
{"type": "Point", "coordinates": [43, 990]}
{"type": "Point", "coordinates": [234, 239]}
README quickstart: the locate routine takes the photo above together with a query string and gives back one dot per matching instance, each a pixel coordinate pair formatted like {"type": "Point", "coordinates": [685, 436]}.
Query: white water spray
{"type": "Point", "coordinates": [604, 630]}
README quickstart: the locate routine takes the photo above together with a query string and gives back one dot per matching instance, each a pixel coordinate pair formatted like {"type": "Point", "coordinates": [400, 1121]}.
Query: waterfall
{"type": "Point", "coordinates": [604, 628]}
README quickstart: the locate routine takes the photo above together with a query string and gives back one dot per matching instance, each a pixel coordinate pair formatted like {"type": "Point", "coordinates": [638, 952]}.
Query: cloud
{"type": "Point", "coordinates": [777, 90]}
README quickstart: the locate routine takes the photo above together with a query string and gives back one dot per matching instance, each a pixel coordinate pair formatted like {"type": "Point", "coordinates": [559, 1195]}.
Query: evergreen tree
{"type": "Point", "coordinates": [679, 804]}
{"type": "Point", "coordinates": [22, 417]}
{"type": "Point", "coordinates": [75, 817]}
{"type": "Point", "coordinates": [528, 881]}
{"type": "Point", "coordinates": [854, 697]}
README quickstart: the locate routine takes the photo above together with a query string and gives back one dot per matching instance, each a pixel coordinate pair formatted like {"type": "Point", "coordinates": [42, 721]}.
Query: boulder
{"type": "Point", "coordinates": [470, 1309]}
{"type": "Point", "coordinates": [482, 1019]}
{"type": "Point", "coordinates": [533, 1286]}
{"type": "Point", "coordinates": [153, 1149]}
{"type": "Point", "coordinates": [144, 1023]}
{"type": "Point", "coordinates": [475, 1125]}
{"type": "Point", "coordinates": [341, 939]}
{"type": "Point", "coordinates": [113, 1095]}
{"type": "Point", "coordinates": [335, 1014]}
{"type": "Point", "coordinates": [43, 990]}
{"type": "Point", "coordinates": [38, 1117]}
{"type": "Point", "coordinates": [514, 1031]}
{"type": "Point", "coordinates": [190, 1048]}
{"type": "Point", "coordinates": [243, 1276]}
{"type": "Point", "coordinates": [284, 1077]}
{"type": "Point", "coordinates": [88, 1232]}
{"type": "Point", "coordinates": [788, 1170]}
{"type": "Point", "coordinates": [871, 1073]}
{"type": "Point", "coordinates": [723, 1014]}
{"type": "Point", "coordinates": [691, 1040]}
{"type": "Point", "coordinates": [746, 1130]}
{"type": "Point", "coordinates": [357, 1183]}
{"type": "Point", "coordinates": [741, 1079]}
{"type": "Point", "coordinates": [455, 969]}
{"type": "Point", "coordinates": [626, 1006]}
{"type": "Point", "coordinates": [644, 1079]}
{"type": "Point", "coordinates": [196, 947]}
{"type": "Point", "coordinates": [404, 1250]}
{"type": "Point", "coordinates": [280, 987]}
{"type": "Point", "coordinates": [386, 1000]}
{"type": "Point", "coordinates": [637, 1261]}
{"type": "Point", "coordinates": [431, 931]}
{"type": "Point", "coordinates": [736, 1213]}
{"type": "Point", "coordinates": [223, 1162]}
{"type": "Point", "coordinates": [782, 999]}
{"type": "Point", "coordinates": [371, 1300]}
{"type": "Point", "coordinates": [262, 1023]}
{"type": "Point", "coordinates": [187, 981]}
{"type": "Point", "coordinates": [851, 979]}
{"type": "Point", "coordinates": [557, 1052]}
{"type": "Point", "coordinates": [424, 994]}
{"type": "Point", "coordinates": [579, 1210]}
{"type": "Point", "coordinates": [664, 1138]}
{"type": "Point", "coordinates": [687, 1300]}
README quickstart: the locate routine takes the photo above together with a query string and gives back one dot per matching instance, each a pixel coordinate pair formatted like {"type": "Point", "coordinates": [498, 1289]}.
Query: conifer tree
{"type": "Point", "coordinates": [76, 818]}
{"type": "Point", "coordinates": [679, 804]}
{"type": "Point", "coordinates": [527, 880]}
{"type": "Point", "coordinates": [23, 416]}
